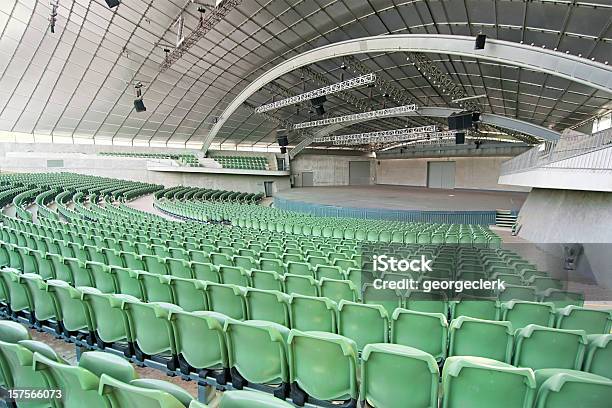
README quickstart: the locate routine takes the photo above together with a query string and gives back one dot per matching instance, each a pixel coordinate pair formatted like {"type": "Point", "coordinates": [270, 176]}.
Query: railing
{"type": "Point", "coordinates": [565, 148]}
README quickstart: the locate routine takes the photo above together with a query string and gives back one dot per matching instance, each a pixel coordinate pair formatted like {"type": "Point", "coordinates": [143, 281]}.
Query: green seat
{"type": "Point", "coordinates": [206, 272]}
{"type": "Point", "coordinates": [384, 370]}
{"type": "Point", "coordinates": [80, 272]}
{"type": "Point", "coordinates": [330, 272]}
{"type": "Point", "coordinates": [300, 268]}
{"type": "Point", "coordinates": [80, 383]}
{"type": "Point", "coordinates": [152, 332]}
{"type": "Point", "coordinates": [179, 268]}
{"type": "Point", "coordinates": [103, 279]}
{"type": "Point", "coordinates": [562, 298]}
{"type": "Point", "coordinates": [311, 355]}
{"type": "Point", "coordinates": [233, 275]}
{"type": "Point", "coordinates": [481, 338]}
{"type": "Point", "coordinates": [300, 284]}
{"type": "Point", "coordinates": [128, 282]}
{"type": "Point", "coordinates": [267, 305]}
{"type": "Point", "coordinates": [515, 292]}
{"type": "Point", "coordinates": [155, 264]}
{"type": "Point", "coordinates": [338, 290]}
{"type": "Point", "coordinates": [156, 288]}
{"type": "Point", "coordinates": [192, 330]}
{"type": "Point", "coordinates": [18, 294]}
{"type": "Point", "coordinates": [143, 393]}
{"type": "Point", "coordinates": [592, 321]}
{"type": "Point", "coordinates": [309, 313]}
{"type": "Point", "coordinates": [364, 324]}
{"type": "Point", "coordinates": [421, 330]}
{"type": "Point", "coordinates": [249, 399]}
{"type": "Point", "coordinates": [17, 367]}
{"type": "Point", "coordinates": [268, 365]}
{"type": "Point", "coordinates": [506, 386]}
{"type": "Point", "coordinates": [108, 317]}
{"type": "Point", "coordinates": [226, 299]}
{"type": "Point", "coordinates": [599, 355]}
{"type": "Point", "coordinates": [72, 310]}
{"type": "Point", "coordinates": [44, 305]}
{"type": "Point", "coordinates": [189, 294]}
{"type": "Point", "coordinates": [522, 313]}
{"type": "Point", "coordinates": [266, 280]}
{"type": "Point", "coordinates": [428, 302]}
{"type": "Point", "coordinates": [275, 265]}
{"type": "Point", "coordinates": [388, 298]}
{"type": "Point", "coordinates": [533, 348]}
{"type": "Point", "coordinates": [560, 388]}
{"type": "Point", "coordinates": [472, 306]}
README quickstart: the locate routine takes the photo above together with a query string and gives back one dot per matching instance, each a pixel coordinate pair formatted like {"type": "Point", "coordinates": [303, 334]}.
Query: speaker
{"type": "Point", "coordinates": [481, 39]}
{"type": "Point", "coordinates": [139, 105]}
{"type": "Point", "coordinates": [475, 116]}
{"type": "Point", "coordinates": [113, 3]}
{"type": "Point", "coordinates": [283, 149]}
{"type": "Point", "coordinates": [459, 138]}
{"type": "Point", "coordinates": [460, 120]}
{"type": "Point", "coordinates": [318, 101]}
{"type": "Point", "coordinates": [320, 110]}
{"type": "Point", "coordinates": [282, 140]}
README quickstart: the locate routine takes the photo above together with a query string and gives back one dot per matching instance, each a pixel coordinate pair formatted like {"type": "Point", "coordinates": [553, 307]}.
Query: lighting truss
{"type": "Point", "coordinates": [442, 139]}
{"type": "Point", "coordinates": [442, 80]}
{"type": "Point", "coordinates": [398, 95]}
{"type": "Point", "coordinates": [383, 136]}
{"type": "Point", "coordinates": [381, 113]}
{"type": "Point", "coordinates": [326, 90]}
{"type": "Point", "coordinates": [207, 22]}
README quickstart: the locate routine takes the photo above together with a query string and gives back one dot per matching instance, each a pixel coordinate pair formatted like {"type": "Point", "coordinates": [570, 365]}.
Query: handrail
{"type": "Point", "coordinates": [563, 149]}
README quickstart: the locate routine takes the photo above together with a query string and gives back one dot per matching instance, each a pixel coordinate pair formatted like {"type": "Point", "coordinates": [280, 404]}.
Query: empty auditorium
{"type": "Point", "coordinates": [305, 203]}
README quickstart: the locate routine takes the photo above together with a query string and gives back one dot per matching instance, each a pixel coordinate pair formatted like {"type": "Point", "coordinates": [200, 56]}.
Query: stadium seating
{"type": "Point", "coordinates": [507, 386]}
{"type": "Point", "coordinates": [533, 348]}
{"type": "Point", "coordinates": [481, 338]}
{"type": "Point", "coordinates": [420, 330]}
{"type": "Point", "coordinates": [592, 321]}
{"type": "Point", "coordinates": [571, 388]}
{"type": "Point", "coordinates": [599, 355]}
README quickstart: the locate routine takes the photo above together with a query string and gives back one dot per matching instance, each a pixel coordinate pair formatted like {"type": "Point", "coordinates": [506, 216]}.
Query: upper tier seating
{"type": "Point", "coordinates": [184, 159]}
{"type": "Point", "coordinates": [243, 162]}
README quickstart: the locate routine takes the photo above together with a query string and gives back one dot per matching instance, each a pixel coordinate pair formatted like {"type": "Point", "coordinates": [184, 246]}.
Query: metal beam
{"type": "Point", "coordinates": [504, 122]}
{"type": "Point", "coordinates": [570, 67]}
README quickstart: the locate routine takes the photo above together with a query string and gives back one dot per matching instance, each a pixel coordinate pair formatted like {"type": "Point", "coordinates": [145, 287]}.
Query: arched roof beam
{"type": "Point", "coordinates": [570, 67]}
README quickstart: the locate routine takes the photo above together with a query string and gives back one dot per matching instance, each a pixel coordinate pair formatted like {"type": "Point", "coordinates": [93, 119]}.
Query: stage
{"type": "Point", "coordinates": [401, 203]}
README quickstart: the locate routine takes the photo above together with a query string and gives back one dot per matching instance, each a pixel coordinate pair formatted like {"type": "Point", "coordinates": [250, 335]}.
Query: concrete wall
{"type": "Point", "coordinates": [328, 170]}
{"type": "Point", "coordinates": [32, 158]}
{"type": "Point", "coordinates": [470, 172]}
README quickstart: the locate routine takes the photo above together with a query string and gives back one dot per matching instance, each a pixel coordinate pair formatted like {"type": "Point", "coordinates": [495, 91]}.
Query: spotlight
{"type": "Point", "coordinates": [343, 66]}
{"type": "Point", "coordinates": [317, 104]}
{"type": "Point", "coordinates": [481, 39]}
{"type": "Point", "coordinates": [138, 103]}
{"type": "Point", "coordinates": [53, 17]}
{"type": "Point", "coordinates": [320, 110]}
{"type": "Point", "coordinates": [113, 3]}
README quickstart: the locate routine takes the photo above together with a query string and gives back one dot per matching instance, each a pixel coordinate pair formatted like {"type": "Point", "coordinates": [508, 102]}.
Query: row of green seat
{"type": "Point", "coordinates": [206, 194]}
{"type": "Point", "coordinates": [98, 379]}
{"type": "Point", "coordinates": [243, 162]}
{"type": "Point", "coordinates": [295, 357]}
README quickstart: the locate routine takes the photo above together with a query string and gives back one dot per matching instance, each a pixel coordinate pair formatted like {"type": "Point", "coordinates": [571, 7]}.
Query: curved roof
{"type": "Point", "coordinates": [78, 82]}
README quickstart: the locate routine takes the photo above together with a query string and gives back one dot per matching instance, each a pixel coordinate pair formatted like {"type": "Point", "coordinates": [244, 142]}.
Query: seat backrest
{"type": "Point", "coordinates": [507, 386]}
{"type": "Point", "coordinates": [362, 323]}
{"type": "Point", "coordinates": [421, 330]}
{"type": "Point", "coordinates": [384, 368]}
{"type": "Point", "coordinates": [269, 364]}
{"type": "Point", "coordinates": [560, 388]}
{"type": "Point", "coordinates": [268, 305]}
{"type": "Point", "coordinates": [592, 321]}
{"type": "Point", "coordinates": [521, 313]}
{"type": "Point", "coordinates": [481, 338]}
{"type": "Point", "coordinates": [533, 347]}
{"type": "Point", "coordinates": [310, 313]}
{"type": "Point", "coordinates": [312, 353]}
{"type": "Point", "coordinates": [143, 393]}
{"type": "Point", "coordinates": [599, 355]}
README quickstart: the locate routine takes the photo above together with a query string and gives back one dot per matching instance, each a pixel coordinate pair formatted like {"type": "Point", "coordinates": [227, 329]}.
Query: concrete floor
{"type": "Point", "coordinates": [407, 198]}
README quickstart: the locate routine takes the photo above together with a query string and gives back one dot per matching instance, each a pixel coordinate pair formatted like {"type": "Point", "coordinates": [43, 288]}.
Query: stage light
{"type": "Point", "coordinates": [113, 3]}
{"type": "Point", "coordinates": [138, 103]}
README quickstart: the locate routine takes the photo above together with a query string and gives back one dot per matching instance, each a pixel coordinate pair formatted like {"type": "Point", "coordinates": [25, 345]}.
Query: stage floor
{"type": "Point", "coordinates": [406, 198]}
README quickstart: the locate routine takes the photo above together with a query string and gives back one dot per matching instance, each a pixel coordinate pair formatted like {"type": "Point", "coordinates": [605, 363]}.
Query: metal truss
{"type": "Point", "coordinates": [441, 80]}
{"type": "Point", "coordinates": [382, 136]}
{"type": "Point", "coordinates": [326, 90]}
{"type": "Point", "coordinates": [381, 113]}
{"type": "Point", "coordinates": [395, 93]}
{"type": "Point", "coordinates": [207, 22]}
